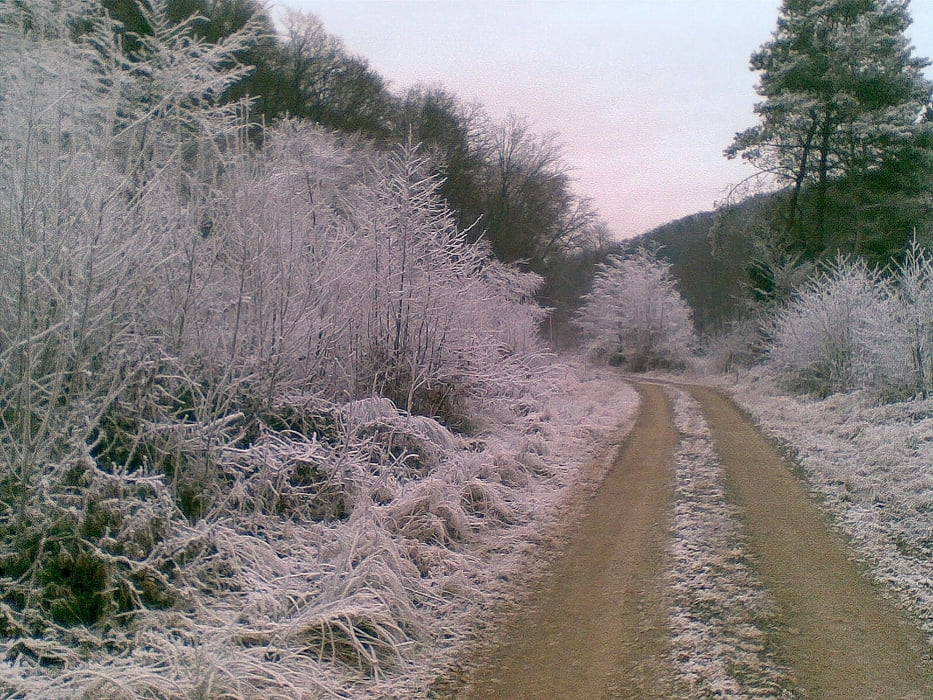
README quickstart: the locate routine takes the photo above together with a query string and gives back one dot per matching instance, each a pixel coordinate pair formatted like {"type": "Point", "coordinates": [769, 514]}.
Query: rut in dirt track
{"type": "Point", "coordinates": [597, 628]}
{"type": "Point", "coordinates": [838, 635]}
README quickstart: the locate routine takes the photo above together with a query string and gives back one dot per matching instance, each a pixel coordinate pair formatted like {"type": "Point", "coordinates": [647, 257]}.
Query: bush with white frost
{"type": "Point", "coordinates": [915, 291]}
{"type": "Point", "coordinates": [635, 314]}
{"type": "Point", "coordinates": [182, 318]}
{"type": "Point", "coordinates": [90, 207]}
{"type": "Point", "coordinates": [845, 330]}
{"type": "Point", "coordinates": [339, 271]}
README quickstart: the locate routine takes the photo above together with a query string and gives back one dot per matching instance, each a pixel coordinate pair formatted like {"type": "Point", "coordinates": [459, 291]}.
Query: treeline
{"type": "Point", "coordinates": [834, 254]}
{"type": "Point", "coordinates": [502, 180]}
{"type": "Point", "coordinates": [842, 157]}
{"type": "Point", "coordinates": [845, 131]}
{"type": "Point", "coordinates": [817, 266]}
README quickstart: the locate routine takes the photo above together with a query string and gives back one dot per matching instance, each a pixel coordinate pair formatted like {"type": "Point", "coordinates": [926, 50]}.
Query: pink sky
{"type": "Point", "coordinates": [645, 94]}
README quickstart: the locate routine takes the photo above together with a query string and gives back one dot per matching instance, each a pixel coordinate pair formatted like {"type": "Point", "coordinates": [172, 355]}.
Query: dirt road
{"type": "Point", "coordinates": [840, 637]}
{"type": "Point", "coordinates": [596, 629]}
{"type": "Point", "coordinates": [597, 626]}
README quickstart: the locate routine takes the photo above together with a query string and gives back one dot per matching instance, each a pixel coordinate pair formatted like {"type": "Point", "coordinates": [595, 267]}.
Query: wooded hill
{"type": "Point", "coordinates": [501, 180]}
{"type": "Point", "coordinates": [847, 142]}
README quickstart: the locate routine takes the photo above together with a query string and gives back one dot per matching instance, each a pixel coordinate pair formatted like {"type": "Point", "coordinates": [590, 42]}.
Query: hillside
{"type": "Point", "coordinates": [712, 284]}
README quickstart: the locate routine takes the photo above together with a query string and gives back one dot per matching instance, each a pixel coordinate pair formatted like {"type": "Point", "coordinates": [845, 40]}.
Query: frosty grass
{"type": "Point", "coordinates": [374, 605]}
{"type": "Point", "coordinates": [719, 609]}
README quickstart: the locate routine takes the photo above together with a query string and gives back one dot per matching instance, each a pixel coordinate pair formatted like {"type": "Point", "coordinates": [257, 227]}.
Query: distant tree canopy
{"type": "Point", "coordinates": [503, 181]}
{"type": "Point", "coordinates": [320, 81]}
{"type": "Point", "coordinates": [712, 284]}
{"type": "Point", "coordinates": [845, 125]}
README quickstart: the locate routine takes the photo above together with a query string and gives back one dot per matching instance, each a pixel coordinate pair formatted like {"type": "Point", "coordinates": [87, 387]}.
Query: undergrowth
{"type": "Point", "coordinates": [228, 378]}
{"type": "Point", "coordinates": [318, 570]}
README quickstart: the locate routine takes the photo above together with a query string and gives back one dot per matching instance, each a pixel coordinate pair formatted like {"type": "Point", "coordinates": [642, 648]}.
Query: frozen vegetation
{"type": "Point", "coordinates": [720, 610]}
{"type": "Point", "coordinates": [850, 327]}
{"type": "Point", "coordinates": [271, 424]}
{"type": "Point", "coordinates": [634, 314]}
{"type": "Point", "coordinates": [356, 566]}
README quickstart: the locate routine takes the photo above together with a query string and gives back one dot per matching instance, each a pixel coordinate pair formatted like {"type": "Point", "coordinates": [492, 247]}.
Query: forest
{"type": "Point", "coordinates": [287, 359]}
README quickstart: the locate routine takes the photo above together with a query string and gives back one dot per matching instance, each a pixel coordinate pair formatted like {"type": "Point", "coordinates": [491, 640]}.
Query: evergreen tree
{"type": "Point", "coordinates": [844, 105]}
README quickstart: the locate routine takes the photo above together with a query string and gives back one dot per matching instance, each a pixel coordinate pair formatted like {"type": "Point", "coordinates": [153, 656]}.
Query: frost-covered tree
{"type": "Point", "coordinates": [843, 98]}
{"type": "Point", "coordinates": [341, 271]}
{"type": "Point", "coordinates": [635, 314]}
{"type": "Point", "coordinates": [100, 170]}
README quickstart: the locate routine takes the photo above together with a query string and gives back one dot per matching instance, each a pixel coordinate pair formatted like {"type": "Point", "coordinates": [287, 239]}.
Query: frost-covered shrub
{"type": "Point", "coordinates": [340, 271]}
{"type": "Point", "coordinates": [90, 205]}
{"type": "Point", "coordinates": [429, 511]}
{"type": "Point", "coordinates": [915, 291]}
{"type": "Point", "coordinates": [287, 474]}
{"type": "Point", "coordinates": [364, 616]}
{"type": "Point", "coordinates": [635, 315]}
{"type": "Point", "coordinates": [484, 498]}
{"type": "Point", "coordinates": [844, 331]}
{"type": "Point", "coordinates": [411, 444]}
{"type": "Point", "coordinates": [95, 546]}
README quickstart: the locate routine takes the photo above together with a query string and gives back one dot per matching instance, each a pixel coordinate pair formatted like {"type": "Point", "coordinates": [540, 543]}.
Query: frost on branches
{"type": "Point", "coordinates": [852, 328]}
{"type": "Point", "coordinates": [184, 321]}
{"type": "Point", "coordinates": [635, 315]}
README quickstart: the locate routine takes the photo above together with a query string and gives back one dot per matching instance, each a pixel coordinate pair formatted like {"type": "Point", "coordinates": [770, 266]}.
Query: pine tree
{"type": "Point", "coordinates": [844, 102]}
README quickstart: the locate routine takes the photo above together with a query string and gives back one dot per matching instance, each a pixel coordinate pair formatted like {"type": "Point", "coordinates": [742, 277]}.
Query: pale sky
{"type": "Point", "coordinates": [644, 94]}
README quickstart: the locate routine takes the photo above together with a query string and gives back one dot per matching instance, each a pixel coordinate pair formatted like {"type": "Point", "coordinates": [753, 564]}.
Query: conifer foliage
{"type": "Point", "coordinates": [843, 125]}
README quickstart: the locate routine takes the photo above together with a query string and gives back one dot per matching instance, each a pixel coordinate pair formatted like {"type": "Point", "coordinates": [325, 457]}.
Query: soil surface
{"type": "Point", "coordinates": [596, 627]}
{"type": "Point", "coordinates": [837, 633]}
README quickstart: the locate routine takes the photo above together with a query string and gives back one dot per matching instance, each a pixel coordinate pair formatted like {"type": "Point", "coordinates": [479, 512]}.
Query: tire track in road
{"type": "Point", "coordinates": [597, 626]}
{"type": "Point", "coordinates": [841, 638]}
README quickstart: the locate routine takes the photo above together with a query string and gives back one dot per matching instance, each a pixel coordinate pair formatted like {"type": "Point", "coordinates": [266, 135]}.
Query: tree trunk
{"type": "Point", "coordinates": [818, 240]}
{"type": "Point", "coordinates": [794, 233]}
